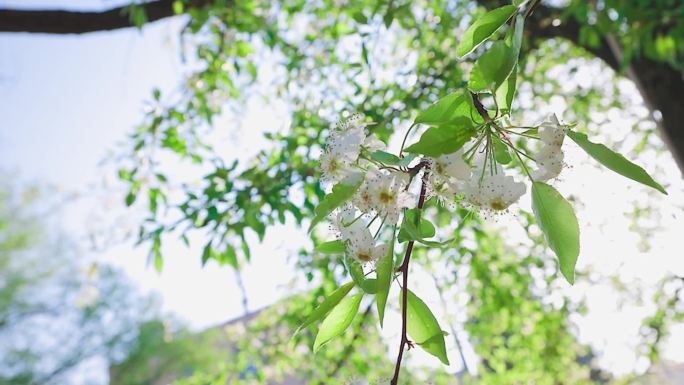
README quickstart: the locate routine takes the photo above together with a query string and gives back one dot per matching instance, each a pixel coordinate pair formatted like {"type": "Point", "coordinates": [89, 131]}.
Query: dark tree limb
{"type": "Point", "coordinates": [74, 22]}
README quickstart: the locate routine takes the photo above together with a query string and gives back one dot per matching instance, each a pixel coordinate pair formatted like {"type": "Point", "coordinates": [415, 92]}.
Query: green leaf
{"type": "Point", "coordinates": [501, 153]}
{"type": "Point", "coordinates": [384, 268]}
{"type": "Point", "coordinates": [130, 198]}
{"type": "Point", "coordinates": [228, 256]}
{"type": "Point", "coordinates": [330, 302]}
{"type": "Point", "coordinates": [449, 109]}
{"type": "Point", "coordinates": [385, 157]}
{"type": "Point", "coordinates": [445, 139]}
{"type": "Point", "coordinates": [338, 320]}
{"type": "Point", "coordinates": [614, 161]}
{"type": "Point", "coordinates": [368, 285]}
{"type": "Point", "coordinates": [505, 94]}
{"type": "Point", "coordinates": [206, 253]}
{"type": "Point", "coordinates": [410, 231]}
{"type": "Point", "coordinates": [330, 247]}
{"type": "Point", "coordinates": [423, 328]}
{"type": "Point", "coordinates": [483, 28]}
{"type": "Point", "coordinates": [557, 220]}
{"type": "Point", "coordinates": [341, 192]}
{"type": "Point", "coordinates": [407, 159]}
{"type": "Point", "coordinates": [494, 66]}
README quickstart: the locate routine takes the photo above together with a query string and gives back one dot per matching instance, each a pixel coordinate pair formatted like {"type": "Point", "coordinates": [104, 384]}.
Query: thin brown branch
{"type": "Point", "coordinates": [404, 268]}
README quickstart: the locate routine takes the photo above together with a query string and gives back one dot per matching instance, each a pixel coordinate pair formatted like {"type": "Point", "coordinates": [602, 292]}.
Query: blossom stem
{"type": "Point", "coordinates": [403, 142]}
{"type": "Point", "coordinates": [379, 227]}
{"type": "Point", "coordinates": [353, 221]}
{"type": "Point", "coordinates": [372, 220]}
{"type": "Point", "coordinates": [517, 154]}
{"type": "Point", "coordinates": [404, 269]}
{"type": "Point", "coordinates": [520, 134]}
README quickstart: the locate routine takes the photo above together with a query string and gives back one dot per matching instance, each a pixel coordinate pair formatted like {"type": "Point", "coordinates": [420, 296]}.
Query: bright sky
{"type": "Point", "coordinates": [66, 101]}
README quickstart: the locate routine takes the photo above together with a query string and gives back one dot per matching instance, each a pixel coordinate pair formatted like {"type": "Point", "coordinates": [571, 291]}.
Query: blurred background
{"type": "Point", "coordinates": [158, 165]}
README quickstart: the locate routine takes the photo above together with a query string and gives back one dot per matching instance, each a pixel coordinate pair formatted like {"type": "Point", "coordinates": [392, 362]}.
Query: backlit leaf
{"type": "Point", "coordinates": [341, 193]}
{"type": "Point", "coordinates": [327, 305]}
{"type": "Point", "coordinates": [483, 28]}
{"type": "Point", "coordinates": [558, 222]}
{"type": "Point", "coordinates": [423, 328]}
{"type": "Point", "coordinates": [338, 320]}
{"type": "Point", "coordinates": [614, 161]}
{"type": "Point", "coordinates": [445, 139]}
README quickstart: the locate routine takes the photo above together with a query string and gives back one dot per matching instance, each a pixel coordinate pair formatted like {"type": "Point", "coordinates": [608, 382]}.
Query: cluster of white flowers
{"type": "Point", "coordinates": [360, 244]}
{"type": "Point", "coordinates": [549, 159]}
{"type": "Point", "coordinates": [344, 147]}
{"type": "Point", "coordinates": [484, 186]}
{"type": "Point", "coordinates": [383, 193]}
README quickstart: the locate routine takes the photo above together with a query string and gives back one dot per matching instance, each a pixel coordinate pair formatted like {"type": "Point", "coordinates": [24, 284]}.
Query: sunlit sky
{"type": "Point", "coordinates": [66, 101]}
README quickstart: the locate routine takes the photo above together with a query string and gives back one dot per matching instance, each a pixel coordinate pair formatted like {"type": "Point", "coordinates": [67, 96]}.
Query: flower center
{"type": "Point", "coordinates": [497, 204]}
{"type": "Point", "coordinates": [386, 197]}
{"type": "Point", "coordinates": [364, 257]}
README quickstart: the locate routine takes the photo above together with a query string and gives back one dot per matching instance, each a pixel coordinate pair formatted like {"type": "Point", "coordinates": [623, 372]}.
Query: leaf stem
{"type": "Point", "coordinates": [403, 142]}
{"type": "Point", "coordinates": [404, 269]}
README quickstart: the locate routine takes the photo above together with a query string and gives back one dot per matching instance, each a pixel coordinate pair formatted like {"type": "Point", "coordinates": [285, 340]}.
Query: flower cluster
{"type": "Point", "coordinates": [383, 194]}
{"type": "Point", "coordinates": [472, 174]}
{"type": "Point", "coordinates": [343, 149]}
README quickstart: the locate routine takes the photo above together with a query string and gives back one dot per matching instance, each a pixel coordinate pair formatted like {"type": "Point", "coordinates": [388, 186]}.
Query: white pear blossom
{"type": "Point", "coordinates": [342, 150]}
{"type": "Point", "coordinates": [549, 159]}
{"type": "Point", "coordinates": [357, 237]}
{"type": "Point", "coordinates": [447, 171]}
{"type": "Point", "coordinates": [388, 194]}
{"type": "Point", "coordinates": [551, 132]}
{"type": "Point", "coordinates": [372, 143]}
{"type": "Point", "coordinates": [335, 166]}
{"type": "Point", "coordinates": [451, 166]}
{"type": "Point", "coordinates": [363, 199]}
{"type": "Point", "coordinates": [496, 191]}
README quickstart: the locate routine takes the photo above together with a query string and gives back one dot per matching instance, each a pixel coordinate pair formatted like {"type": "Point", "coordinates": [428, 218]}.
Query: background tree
{"type": "Point", "coordinates": [58, 316]}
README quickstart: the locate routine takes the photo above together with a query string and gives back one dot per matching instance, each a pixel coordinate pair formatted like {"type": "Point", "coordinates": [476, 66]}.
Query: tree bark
{"type": "Point", "coordinates": [74, 22]}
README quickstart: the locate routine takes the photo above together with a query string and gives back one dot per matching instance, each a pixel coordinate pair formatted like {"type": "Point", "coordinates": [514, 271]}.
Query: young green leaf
{"type": "Point", "coordinates": [341, 193]}
{"type": "Point", "coordinates": [384, 268]}
{"type": "Point", "coordinates": [338, 320]}
{"type": "Point", "coordinates": [483, 28]}
{"type": "Point", "coordinates": [505, 94]}
{"type": "Point", "coordinates": [410, 232]}
{"type": "Point", "coordinates": [423, 328]}
{"type": "Point", "coordinates": [385, 157]}
{"type": "Point", "coordinates": [407, 159]}
{"type": "Point", "coordinates": [327, 305]}
{"type": "Point", "coordinates": [448, 109]}
{"type": "Point", "coordinates": [501, 153]}
{"type": "Point", "coordinates": [494, 66]}
{"type": "Point", "coordinates": [369, 286]}
{"type": "Point", "coordinates": [614, 161]}
{"type": "Point", "coordinates": [330, 247]}
{"type": "Point", "coordinates": [558, 222]}
{"type": "Point", "coordinates": [445, 139]}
